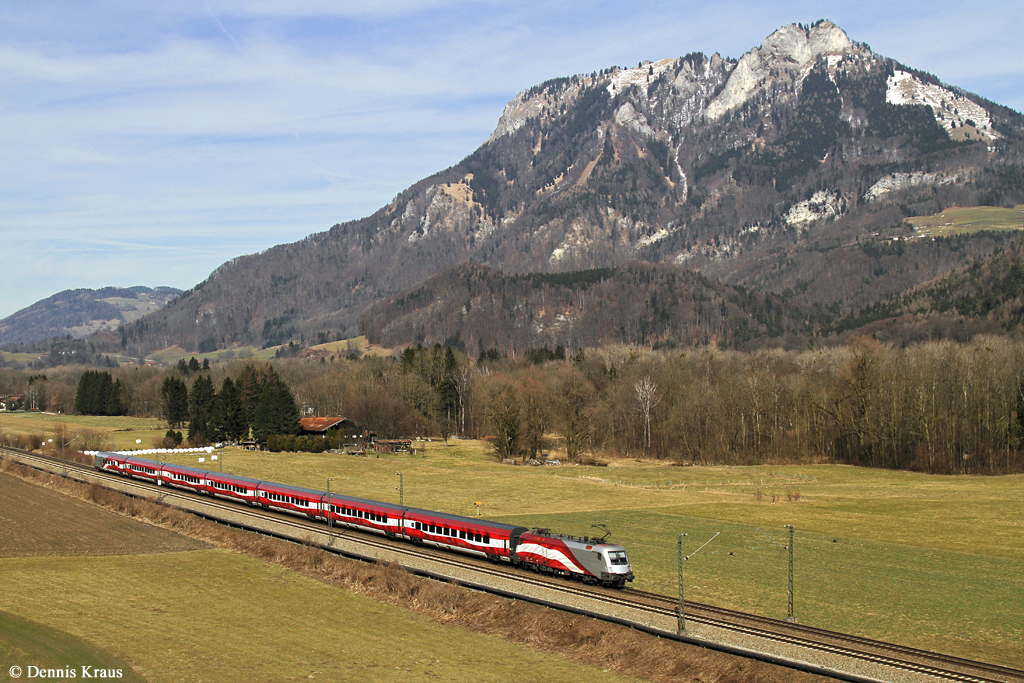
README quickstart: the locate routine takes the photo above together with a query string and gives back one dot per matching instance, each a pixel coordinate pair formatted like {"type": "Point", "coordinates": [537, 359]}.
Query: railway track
{"type": "Point", "coordinates": [866, 659]}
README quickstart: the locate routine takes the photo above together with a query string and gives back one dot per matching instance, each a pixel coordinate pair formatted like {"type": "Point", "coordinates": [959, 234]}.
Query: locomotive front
{"type": "Point", "coordinates": [616, 570]}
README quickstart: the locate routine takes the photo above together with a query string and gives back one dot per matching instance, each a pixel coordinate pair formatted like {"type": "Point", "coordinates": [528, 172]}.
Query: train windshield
{"type": "Point", "coordinates": [618, 557]}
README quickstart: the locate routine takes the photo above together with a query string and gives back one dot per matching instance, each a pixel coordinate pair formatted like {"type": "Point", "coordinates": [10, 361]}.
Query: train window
{"type": "Point", "coordinates": [618, 557]}
{"type": "Point", "coordinates": [477, 538]}
{"type": "Point", "coordinates": [487, 539]}
{"type": "Point", "coordinates": [462, 533]}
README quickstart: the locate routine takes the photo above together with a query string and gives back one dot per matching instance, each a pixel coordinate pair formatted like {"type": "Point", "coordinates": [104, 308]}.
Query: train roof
{"type": "Point", "coordinates": [294, 490]}
{"type": "Point", "coordinates": [187, 468]}
{"type": "Point", "coordinates": [110, 455]}
{"type": "Point", "coordinates": [144, 461]}
{"type": "Point", "coordinates": [476, 521]}
{"type": "Point", "coordinates": [233, 478]}
{"type": "Point", "coordinates": [367, 501]}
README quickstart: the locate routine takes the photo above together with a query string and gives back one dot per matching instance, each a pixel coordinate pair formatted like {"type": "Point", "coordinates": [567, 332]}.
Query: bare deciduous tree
{"type": "Point", "coordinates": [647, 399]}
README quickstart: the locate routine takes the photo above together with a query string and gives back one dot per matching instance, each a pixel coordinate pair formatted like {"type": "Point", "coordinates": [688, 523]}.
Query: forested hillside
{"type": "Point", "coordinates": [476, 308]}
{"type": "Point", "coordinates": [81, 312]}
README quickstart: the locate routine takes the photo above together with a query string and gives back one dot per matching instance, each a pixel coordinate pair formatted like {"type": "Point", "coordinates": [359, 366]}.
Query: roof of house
{"type": "Point", "coordinates": [319, 424]}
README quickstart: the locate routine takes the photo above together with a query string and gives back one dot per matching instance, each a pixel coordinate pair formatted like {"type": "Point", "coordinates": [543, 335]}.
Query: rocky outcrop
{"type": "Point", "coordinates": [782, 57]}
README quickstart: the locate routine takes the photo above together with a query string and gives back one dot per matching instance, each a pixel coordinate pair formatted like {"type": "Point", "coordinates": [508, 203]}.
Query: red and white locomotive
{"type": "Point", "coordinates": [589, 559]}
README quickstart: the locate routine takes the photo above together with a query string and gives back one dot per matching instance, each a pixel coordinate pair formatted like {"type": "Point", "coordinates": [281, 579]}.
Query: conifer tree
{"type": "Point", "coordinates": [175, 396]}
{"type": "Point", "coordinates": [231, 424]}
{"type": "Point", "coordinates": [200, 410]}
{"type": "Point", "coordinates": [276, 413]}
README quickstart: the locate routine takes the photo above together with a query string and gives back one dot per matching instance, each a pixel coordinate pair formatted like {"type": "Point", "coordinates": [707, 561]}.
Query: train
{"type": "Point", "coordinates": [587, 559]}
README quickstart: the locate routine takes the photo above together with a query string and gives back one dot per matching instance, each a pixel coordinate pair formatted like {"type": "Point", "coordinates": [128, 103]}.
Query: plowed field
{"type": "Point", "coordinates": [35, 521]}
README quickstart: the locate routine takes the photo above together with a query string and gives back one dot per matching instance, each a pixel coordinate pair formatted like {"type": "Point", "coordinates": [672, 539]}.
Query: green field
{"type": "Point", "coordinates": [929, 561]}
{"type": "Point", "coordinates": [173, 354]}
{"type": "Point", "coordinates": [96, 432]}
{"type": "Point", "coordinates": [19, 358]}
{"type": "Point", "coordinates": [219, 616]}
{"type": "Point", "coordinates": [957, 221]}
{"type": "Point", "coordinates": [355, 343]}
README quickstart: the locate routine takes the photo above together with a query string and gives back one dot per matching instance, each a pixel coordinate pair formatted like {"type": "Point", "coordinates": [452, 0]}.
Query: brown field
{"type": "Point", "coordinates": [35, 521]}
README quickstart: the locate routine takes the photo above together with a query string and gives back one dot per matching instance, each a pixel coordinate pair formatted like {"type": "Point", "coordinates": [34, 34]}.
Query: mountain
{"type": "Point", "coordinates": [81, 312]}
{"type": "Point", "coordinates": [790, 170]}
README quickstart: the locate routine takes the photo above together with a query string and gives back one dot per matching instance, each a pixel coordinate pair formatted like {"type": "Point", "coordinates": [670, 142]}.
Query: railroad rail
{"type": "Point", "coordinates": [837, 655]}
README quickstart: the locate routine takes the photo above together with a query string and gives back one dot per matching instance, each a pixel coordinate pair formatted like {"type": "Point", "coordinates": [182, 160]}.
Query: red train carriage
{"type": "Point", "coordinates": [467, 534]}
{"type": "Point", "coordinates": [232, 487]}
{"type": "Point", "coordinates": [371, 515]}
{"type": "Point", "coordinates": [293, 499]}
{"type": "Point", "coordinates": [147, 470]}
{"type": "Point", "coordinates": [182, 477]}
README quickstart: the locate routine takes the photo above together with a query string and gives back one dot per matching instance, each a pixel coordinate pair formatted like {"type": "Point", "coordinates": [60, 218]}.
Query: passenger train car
{"type": "Point", "coordinates": [588, 559]}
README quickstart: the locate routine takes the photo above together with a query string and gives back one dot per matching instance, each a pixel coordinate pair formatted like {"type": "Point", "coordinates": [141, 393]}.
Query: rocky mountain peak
{"type": "Point", "coordinates": [789, 51]}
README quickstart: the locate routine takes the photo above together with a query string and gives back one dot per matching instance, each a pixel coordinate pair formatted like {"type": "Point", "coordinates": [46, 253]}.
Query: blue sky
{"type": "Point", "coordinates": [145, 143]}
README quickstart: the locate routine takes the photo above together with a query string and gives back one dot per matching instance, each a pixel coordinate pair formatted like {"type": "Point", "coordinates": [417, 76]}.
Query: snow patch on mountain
{"type": "Point", "coordinates": [643, 75]}
{"type": "Point", "coordinates": [951, 111]}
{"type": "Point", "coordinates": [901, 181]}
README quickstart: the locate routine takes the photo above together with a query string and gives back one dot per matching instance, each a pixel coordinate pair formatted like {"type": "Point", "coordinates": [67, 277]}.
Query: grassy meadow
{"type": "Point", "coordinates": [346, 346]}
{"type": "Point", "coordinates": [958, 221]}
{"type": "Point", "coordinates": [219, 616]}
{"type": "Point", "coordinates": [929, 561]}
{"type": "Point", "coordinates": [172, 354]}
{"type": "Point", "coordinates": [96, 432]}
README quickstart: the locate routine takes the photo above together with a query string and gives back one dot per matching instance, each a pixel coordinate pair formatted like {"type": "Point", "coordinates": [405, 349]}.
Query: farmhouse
{"type": "Point", "coordinates": [325, 426]}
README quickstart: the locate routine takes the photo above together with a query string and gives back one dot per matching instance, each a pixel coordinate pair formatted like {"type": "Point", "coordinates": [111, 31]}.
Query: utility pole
{"type": "Point", "coordinates": [401, 488]}
{"type": "Point", "coordinates": [681, 610]}
{"type": "Point", "coordinates": [790, 617]}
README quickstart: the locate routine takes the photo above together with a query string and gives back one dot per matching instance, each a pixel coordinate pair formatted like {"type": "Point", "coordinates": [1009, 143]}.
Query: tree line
{"type": "Point", "coordinates": [939, 407]}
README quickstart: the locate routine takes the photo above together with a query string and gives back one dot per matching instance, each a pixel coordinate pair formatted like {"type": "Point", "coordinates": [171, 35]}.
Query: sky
{"type": "Point", "coordinates": [146, 143]}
